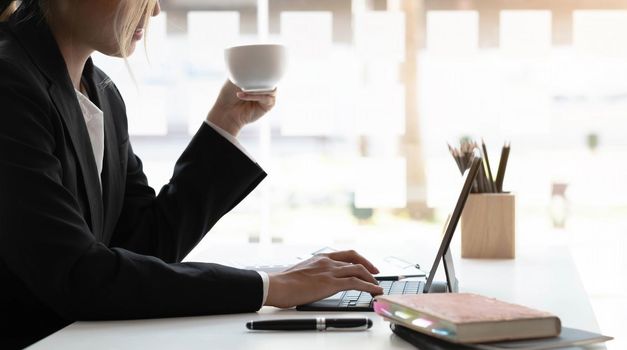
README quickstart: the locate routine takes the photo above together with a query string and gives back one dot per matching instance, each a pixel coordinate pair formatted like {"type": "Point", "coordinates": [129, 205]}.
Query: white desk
{"type": "Point", "coordinates": [544, 278]}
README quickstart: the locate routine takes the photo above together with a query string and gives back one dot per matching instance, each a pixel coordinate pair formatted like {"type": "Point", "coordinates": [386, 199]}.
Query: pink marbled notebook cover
{"type": "Point", "coordinates": [465, 307]}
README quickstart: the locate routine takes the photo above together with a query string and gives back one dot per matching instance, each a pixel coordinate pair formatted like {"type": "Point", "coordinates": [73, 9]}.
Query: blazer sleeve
{"type": "Point", "coordinates": [210, 178]}
{"type": "Point", "coordinates": [46, 242]}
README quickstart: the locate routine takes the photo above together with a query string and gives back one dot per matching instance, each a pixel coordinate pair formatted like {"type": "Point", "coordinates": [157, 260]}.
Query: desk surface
{"type": "Point", "coordinates": [543, 278]}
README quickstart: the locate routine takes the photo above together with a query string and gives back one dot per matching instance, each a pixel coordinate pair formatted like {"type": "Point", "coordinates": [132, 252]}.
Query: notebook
{"type": "Point", "coordinates": [467, 318]}
{"type": "Point", "coordinates": [569, 339]}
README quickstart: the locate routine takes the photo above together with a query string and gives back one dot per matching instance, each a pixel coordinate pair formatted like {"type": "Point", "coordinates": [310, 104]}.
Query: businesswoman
{"type": "Point", "coordinates": [82, 235]}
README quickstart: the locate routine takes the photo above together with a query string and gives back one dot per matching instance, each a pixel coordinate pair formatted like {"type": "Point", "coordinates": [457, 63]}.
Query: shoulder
{"type": "Point", "coordinates": [25, 103]}
{"type": "Point", "coordinates": [17, 69]}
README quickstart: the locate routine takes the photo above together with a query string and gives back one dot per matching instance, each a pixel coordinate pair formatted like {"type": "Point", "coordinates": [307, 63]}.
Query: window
{"type": "Point", "coordinates": [525, 33]}
{"type": "Point", "coordinates": [334, 144]}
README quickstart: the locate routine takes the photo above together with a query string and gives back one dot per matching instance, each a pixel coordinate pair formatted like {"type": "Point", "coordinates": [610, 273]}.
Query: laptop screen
{"type": "Point", "coordinates": [443, 252]}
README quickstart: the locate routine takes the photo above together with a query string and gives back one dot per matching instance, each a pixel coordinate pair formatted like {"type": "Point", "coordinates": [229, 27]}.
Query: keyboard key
{"type": "Point", "coordinates": [411, 287]}
{"type": "Point", "coordinates": [352, 294]}
{"type": "Point", "coordinates": [384, 284]}
{"type": "Point", "coordinates": [364, 297]}
{"type": "Point", "coordinates": [397, 287]}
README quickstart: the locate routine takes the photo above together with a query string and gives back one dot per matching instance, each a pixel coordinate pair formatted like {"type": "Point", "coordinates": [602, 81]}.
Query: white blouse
{"type": "Point", "coordinates": [94, 120]}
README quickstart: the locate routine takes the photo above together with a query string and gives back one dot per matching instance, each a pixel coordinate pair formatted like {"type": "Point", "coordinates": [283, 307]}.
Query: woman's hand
{"type": "Point", "coordinates": [234, 109]}
{"type": "Point", "coordinates": [321, 276]}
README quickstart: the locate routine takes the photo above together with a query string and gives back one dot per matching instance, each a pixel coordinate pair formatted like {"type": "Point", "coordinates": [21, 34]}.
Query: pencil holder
{"type": "Point", "coordinates": [489, 226]}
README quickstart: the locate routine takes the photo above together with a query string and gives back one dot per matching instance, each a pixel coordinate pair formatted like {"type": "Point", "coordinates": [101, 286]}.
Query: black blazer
{"type": "Point", "coordinates": [68, 252]}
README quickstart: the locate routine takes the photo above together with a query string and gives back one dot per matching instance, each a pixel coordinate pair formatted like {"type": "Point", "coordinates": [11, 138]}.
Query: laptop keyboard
{"type": "Point", "coordinates": [355, 298]}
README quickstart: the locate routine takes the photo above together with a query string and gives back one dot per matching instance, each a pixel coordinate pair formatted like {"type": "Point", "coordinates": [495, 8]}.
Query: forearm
{"type": "Point", "coordinates": [210, 178]}
{"type": "Point", "coordinates": [118, 284]}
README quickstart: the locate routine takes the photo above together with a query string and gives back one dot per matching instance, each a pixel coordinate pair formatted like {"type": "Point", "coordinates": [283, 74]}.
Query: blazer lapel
{"type": "Point", "coordinates": [112, 175]}
{"type": "Point", "coordinates": [35, 36]}
{"type": "Point", "coordinates": [67, 106]}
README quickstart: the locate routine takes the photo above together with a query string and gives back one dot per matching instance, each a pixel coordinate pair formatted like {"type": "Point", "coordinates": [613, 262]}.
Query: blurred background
{"type": "Point", "coordinates": [376, 88]}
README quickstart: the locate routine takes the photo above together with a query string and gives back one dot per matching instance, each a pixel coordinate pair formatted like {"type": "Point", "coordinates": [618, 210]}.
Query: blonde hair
{"type": "Point", "coordinates": [8, 11]}
{"type": "Point", "coordinates": [131, 13]}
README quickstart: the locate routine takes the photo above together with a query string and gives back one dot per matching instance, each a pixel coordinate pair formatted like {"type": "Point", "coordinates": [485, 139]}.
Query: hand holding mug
{"type": "Point", "coordinates": [254, 71]}
{"type": "Point", "coordinates": [234, 108]}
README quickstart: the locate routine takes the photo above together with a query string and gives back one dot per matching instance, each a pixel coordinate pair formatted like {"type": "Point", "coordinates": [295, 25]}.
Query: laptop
{"type": "Point", "coordinates": [354, 300]}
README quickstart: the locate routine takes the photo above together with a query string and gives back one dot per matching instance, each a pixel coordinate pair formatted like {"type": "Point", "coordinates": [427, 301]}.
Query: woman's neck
{"type": "Point", "coordinates": [75, 54]}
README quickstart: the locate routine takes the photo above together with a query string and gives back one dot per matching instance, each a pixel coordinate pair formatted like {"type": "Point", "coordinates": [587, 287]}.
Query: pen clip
{"type": "Point", "coordinates": [321, 324]}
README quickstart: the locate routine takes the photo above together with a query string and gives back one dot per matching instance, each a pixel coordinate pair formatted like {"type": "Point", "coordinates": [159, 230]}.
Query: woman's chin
{"type": "Point", "coordinates": [115, 52]}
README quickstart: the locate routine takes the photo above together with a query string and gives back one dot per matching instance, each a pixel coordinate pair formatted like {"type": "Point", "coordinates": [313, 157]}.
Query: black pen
{"type": "Point", "coordinates": [395, 278]}
{"type": "Point", "coordinates": [311, 324]}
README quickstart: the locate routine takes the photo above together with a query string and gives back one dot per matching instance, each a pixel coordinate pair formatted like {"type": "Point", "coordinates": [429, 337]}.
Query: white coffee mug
{"type": "Point", "coordinates": [256, 68]}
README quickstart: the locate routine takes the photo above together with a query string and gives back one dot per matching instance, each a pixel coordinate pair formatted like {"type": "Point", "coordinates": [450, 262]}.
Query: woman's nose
{"type": "Point", "coordinates": [157, 9]}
